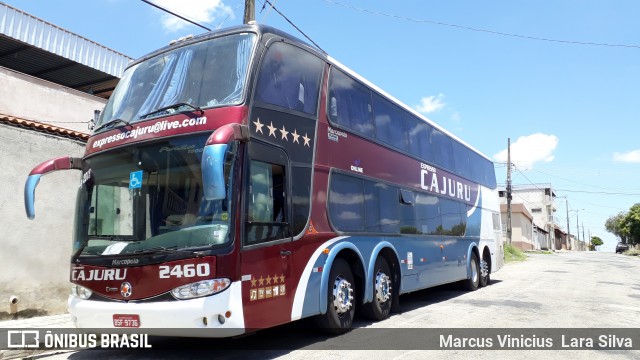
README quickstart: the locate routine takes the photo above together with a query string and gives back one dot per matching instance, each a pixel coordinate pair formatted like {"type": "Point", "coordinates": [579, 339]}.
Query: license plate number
{"type": "Point", "coordinates": [126, 321]}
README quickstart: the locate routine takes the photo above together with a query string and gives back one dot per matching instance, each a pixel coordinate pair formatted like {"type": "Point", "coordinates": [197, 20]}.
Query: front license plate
{"type": "Point", "coordinates": [126, 320]}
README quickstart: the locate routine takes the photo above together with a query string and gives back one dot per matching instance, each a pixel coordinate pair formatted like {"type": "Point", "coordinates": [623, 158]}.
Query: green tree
{"type": "Point", "coordinates": [630, 225]}
{"type": "Point", "coordinates": [614, 226]}
{"type": "Point", "coordinates": [595, 241]}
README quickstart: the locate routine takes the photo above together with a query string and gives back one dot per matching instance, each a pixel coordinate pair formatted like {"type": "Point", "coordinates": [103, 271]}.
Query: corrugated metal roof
{"type": "Point", "coordinates": [35, 47]}
{"type": "Point", "coordinates": [42, 127]}
{"type": "Point", "coordinates": [43, 35]}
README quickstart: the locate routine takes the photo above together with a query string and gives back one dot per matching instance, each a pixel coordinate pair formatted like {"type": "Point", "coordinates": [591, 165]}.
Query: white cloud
{"type": "Point", "coordinates": [631, 156]}
{"type": "Point", "coordinates": [203, 12]}
{"type": "Point", "coordinates": [456, 118]}
{"type": "Point", "coordinates": [430, 104]}
{"type": "Point", "coordinates": [527, 150]}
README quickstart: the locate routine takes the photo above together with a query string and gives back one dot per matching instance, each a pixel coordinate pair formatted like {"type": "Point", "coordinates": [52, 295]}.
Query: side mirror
{"type": "Point", "coordinates": [213, 157]}
{"type": "Point", "coordinates": [62, 163]}
{"type": "Point", "coordinates": [213, 171]}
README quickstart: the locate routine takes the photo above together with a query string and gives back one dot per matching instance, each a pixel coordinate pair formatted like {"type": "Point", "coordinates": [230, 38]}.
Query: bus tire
{"type": "Point", "coordinates": [485, 273]}
{"type": "Point", "coordinates": [340, 299]}
{"type": "Point", "coordinates": [380, 307]}
{"type": "Point", "coordinates": [472, 283]}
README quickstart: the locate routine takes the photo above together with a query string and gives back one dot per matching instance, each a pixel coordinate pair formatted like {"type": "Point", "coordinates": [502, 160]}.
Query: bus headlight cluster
{"type": "Point", "coordinates": [80, 292]}
{"type": "Point", "coordinates": [200, 288]}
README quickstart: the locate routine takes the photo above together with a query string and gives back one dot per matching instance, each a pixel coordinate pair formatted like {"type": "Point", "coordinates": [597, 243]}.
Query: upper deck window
{"type": "Point", "coordinates": [289, 77]}
{"type": "Point", "coordinates": [355, 106]}
{"type": "Point", "coordinates": [205, 74]}
{"type": "Point", "coordinates": [350, 104]}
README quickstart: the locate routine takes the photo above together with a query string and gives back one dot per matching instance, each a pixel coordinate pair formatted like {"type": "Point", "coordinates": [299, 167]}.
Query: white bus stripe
{"type": "Point", "coordinates": [301, 290]}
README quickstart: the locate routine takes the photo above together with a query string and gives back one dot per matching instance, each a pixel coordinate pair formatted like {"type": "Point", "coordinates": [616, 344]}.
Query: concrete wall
{"type": "Point", "coordinates": [34, 261]}
{"type": "Point", "coordinates": [35, 99]}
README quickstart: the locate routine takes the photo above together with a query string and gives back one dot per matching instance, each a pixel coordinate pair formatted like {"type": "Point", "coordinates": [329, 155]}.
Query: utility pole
{"type": "Point", "coordinates": [509, 191]}
{"type": "Point", "coordinates": [568, 229]}
{"type": "Point", "coordinates": [578, 225]}
{"type": "Point", "coordinates": [249, 11]}
{"type": "Point", "coordinates": [583, 233]}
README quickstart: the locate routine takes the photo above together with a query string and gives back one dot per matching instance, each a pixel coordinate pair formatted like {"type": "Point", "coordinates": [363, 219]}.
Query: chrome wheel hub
{"type": "Point", "coordinates": [383, 287]}
{"type": "Point", "coordinates": [342, 295]}
{"type": "Point", "coordinates": [484, 268]}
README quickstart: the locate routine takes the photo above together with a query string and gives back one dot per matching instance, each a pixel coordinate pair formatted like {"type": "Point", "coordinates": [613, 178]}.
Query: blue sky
{"type": "Point", "coordinates": [571, 110]}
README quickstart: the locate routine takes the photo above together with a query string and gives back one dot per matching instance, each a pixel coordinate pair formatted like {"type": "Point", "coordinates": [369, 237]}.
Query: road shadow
{"type": "Point", "coordinates": [278, 341]}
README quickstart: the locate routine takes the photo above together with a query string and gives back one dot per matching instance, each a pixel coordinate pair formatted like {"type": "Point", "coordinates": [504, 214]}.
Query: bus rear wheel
{"type": "Point", "coordinates": [485, 275]}
{"type": "Point", "coordinates": [472, 283]}
{"type": "Point", "coordinates": [380, 307]}
{"type": "Point", "coordinates": [340, 299]}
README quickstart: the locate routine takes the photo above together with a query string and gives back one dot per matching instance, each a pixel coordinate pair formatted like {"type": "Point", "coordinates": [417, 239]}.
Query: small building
{"type": "Point", "coordinates": [537, 203]}
{"type": "Point", "coordinates": [52, 81]}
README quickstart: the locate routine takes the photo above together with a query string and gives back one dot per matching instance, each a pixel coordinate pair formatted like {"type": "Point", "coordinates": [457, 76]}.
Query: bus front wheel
{"type": "Point", "coordinates": [340, 299]}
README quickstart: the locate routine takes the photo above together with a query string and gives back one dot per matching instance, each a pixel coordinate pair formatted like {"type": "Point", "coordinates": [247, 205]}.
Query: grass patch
{"type": "Point", "coordinates": [632, 252]}
{"type": "Point", "coordinates": [513, 254]}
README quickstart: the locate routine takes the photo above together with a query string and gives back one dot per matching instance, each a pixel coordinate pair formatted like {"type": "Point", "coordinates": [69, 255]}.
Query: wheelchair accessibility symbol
{"type": "Point", "coordinates": [135, 180]}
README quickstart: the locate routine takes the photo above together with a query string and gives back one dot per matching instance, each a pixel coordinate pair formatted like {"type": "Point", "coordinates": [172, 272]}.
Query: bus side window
{"type": "Point", "coordinates": [350, 104]}
{"type": "Point", "coordinates": [267, 219]}
{"type": "Point", "coordinates": [290, 77]}
{"type": "Point", "coordinates": [428, 217]}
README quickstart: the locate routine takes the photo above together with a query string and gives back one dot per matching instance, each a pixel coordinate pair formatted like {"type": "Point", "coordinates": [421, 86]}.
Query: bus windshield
{"type": "Point", "coordinates": [205, 74]}
{"type": "Point", "coordinates": [144, 198]}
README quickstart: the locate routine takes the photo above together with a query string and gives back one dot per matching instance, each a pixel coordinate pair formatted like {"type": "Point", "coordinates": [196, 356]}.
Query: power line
{"type": "Point", "coordinates": [292, 24]}
{"type": "Point", "coordinates": [176, 15]}
{"type": "Point", "coordinates": [600, 192]}
{"type": "Point", "coordinates": [264, 5]}
{"type": "Point", "coordinates": [577, 182]}
{"type": "Point", "coordinates": [229, 15]}
{"type": "Point", "coordinates": [493, 32]}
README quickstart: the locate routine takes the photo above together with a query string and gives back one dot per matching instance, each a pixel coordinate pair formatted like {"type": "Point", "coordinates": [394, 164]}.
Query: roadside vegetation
{"type": "Point", "coordinates": [513, 254]}
{"type": "Point", "coordinates": [632, 252]}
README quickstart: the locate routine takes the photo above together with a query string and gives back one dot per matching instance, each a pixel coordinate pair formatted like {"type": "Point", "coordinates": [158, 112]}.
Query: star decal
{"type": "Point", "coordinates": [253, 281]}
{"type": "Point", "coordinates": [272, 129]}
{"type": "Point", "coordinates": [295, 136]}
{"type": "Point", "coordinates": [284, 133]}
{"type": "Point", "coordinates": [268, 280]}
{"type": "Point", "coordinates": [259, 126]}
{"type": "Point", "coordinates": [260, 281]}
{"type": "Point", "coordinates": [282, 279]}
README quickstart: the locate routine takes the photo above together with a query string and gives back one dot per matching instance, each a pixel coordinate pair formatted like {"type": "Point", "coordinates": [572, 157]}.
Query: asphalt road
{"type": "Point", "coordinates": [559, 291]}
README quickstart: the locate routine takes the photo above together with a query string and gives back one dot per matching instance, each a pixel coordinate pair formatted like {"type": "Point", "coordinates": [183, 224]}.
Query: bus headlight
{"type": "Point", "coordinates": [200, 288]}
{"type": "Point", "coordinates": [80, 292]}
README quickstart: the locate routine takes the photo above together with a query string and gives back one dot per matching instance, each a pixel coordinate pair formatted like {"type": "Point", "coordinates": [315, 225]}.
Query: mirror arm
{"type": "Point", "coordinates": [61, 163]}
{"type": "Point", "coordinates": [229, 132]}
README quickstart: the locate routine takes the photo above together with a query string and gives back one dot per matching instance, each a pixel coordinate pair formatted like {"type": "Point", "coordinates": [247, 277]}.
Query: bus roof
{"type": "Point", "coordinates": [265, 29]}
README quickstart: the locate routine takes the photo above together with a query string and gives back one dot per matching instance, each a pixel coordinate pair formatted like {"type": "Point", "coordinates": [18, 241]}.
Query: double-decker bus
{"type": "Point", "coordinates": [241, 179]}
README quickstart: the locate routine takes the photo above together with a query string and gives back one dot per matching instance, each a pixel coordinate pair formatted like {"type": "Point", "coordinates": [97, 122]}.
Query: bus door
{"type": "Point", "coordinates": [266, 256]}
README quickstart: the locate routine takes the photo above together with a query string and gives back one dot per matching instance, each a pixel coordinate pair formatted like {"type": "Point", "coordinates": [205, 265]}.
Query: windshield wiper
{"type": "Point", "coordinates": [112, 122]}
{"type": "Point", "coordinates": [173, 107]}
{"type": "Point", "coordinates": [162, 249]}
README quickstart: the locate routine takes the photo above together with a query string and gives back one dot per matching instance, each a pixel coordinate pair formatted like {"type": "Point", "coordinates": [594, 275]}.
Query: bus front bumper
{"type": "Point", "coordinates": [218, 315]}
